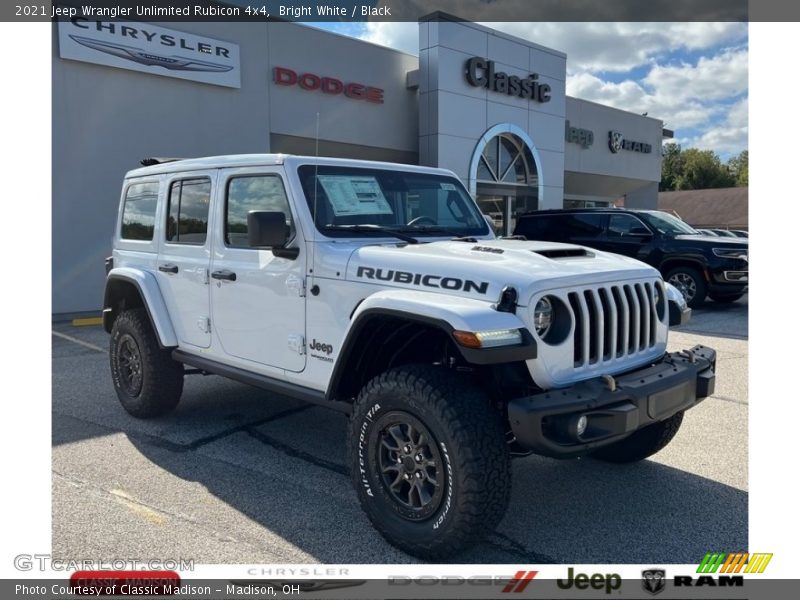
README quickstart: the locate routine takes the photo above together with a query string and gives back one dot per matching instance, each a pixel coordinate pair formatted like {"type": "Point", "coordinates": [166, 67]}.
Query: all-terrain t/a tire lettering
{"type": "Point", "coordinates": [451, 484]}
{"type": "Point", "coordinates": [147, 381]}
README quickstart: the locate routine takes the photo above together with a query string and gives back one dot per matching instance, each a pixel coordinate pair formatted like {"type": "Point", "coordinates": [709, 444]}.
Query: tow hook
{"type": "Point", "coordinates": [610, 382]}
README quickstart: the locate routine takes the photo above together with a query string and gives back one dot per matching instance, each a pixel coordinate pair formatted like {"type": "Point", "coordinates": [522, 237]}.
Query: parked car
{"type": "Point", "coordinates": [707, 232]}
{"type": "Point", "coordinates": [696, 264]}
{"type": "Point", "coordinates": [379, 290]}
{"type": "Point", "coordinates": [724, 233]}
{"type": "Point", "coordinates": [740, 233]}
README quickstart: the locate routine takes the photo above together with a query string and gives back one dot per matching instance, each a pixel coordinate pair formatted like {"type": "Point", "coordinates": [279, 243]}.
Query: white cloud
{"type": "Point", "coordinates": [401, 36]}
{"type": "Point", "coordinates": [593, 47]}
{"type": "Point", "coordinates": [730, 137]}
{"type": "Point", "coordinates": [684, 95]}
{"type": "Point", "coordinates": [714, 77]}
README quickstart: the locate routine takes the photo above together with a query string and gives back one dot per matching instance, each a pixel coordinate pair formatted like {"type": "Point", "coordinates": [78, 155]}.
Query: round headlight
{"type": "Point", "coordinates": [543, 316]}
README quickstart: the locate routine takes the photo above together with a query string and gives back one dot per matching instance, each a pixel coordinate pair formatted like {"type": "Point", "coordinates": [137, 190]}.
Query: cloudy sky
{"type": "Point", "coordinates": [691, 75]}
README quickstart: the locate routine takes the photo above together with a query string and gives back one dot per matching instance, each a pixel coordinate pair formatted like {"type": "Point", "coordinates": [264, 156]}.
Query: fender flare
{"type": "Point", "coordinates": [446, 313]}
{"type": "Point", "coordinates": [145, 282]}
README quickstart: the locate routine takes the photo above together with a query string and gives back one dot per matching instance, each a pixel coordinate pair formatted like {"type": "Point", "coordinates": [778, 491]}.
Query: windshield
{"type": "Point", "coordinates": [667, 224]}
{"type": "Point", "coordinates": [351, 200]}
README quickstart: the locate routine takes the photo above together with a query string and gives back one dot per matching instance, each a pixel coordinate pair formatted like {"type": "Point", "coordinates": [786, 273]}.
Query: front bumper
{"type": "Point", "coordinates": [546, 423]}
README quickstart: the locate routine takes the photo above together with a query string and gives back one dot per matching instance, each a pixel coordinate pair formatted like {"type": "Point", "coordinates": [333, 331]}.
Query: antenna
{"type": "Point", "coordinates": [314, 211]}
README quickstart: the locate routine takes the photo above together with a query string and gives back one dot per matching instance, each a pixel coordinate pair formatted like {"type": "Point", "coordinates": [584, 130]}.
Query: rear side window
{"type": "Point", "coordinates": [249, 193]}
{"type": "Point", "coordinates": [139, 211]}
{"type": "Point", "coordinates": [187, 215]}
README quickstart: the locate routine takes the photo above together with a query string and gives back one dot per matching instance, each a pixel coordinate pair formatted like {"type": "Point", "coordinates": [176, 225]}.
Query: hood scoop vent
{"type": "Point", "coordinates": [557, 253]}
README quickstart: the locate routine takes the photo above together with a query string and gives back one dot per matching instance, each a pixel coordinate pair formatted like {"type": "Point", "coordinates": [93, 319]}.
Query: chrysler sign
{"type": "Point", "coordinates": [150, 49]}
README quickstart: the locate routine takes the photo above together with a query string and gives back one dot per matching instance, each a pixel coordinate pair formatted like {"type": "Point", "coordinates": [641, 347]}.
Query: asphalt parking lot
{"type": "Point", "coordinates": [236, 475]}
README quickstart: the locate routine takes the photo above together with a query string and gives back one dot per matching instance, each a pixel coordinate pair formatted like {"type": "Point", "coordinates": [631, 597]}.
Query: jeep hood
{"type": "Point", "coordinates": [482, 269]}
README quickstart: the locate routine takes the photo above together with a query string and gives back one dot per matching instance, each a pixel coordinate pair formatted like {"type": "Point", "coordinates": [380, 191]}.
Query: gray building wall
{"type": "Point", "coordinates": [596, 171]}
{"type": "Point", "coordinates": [105, 120]}
{"type": "Point", "coordinates": [375, 128]}
{"type": "Point", "coordinates": [455, 115]}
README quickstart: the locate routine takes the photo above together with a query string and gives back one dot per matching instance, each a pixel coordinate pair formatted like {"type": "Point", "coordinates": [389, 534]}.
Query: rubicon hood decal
{"type": "Point", "coordinates": [173, 63]}
{"type": "Point", "coordinates": [428, 280]}
{"type": "Point", "coordinates": [482, 270]}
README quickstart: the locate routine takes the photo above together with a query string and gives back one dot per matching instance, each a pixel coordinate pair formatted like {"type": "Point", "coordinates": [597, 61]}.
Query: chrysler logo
{"type": "Point", "coordinates": [173, 63]}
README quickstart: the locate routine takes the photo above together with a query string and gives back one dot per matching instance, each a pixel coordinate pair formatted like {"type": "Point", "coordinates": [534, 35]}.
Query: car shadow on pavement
{"type": "Point", "coordinates": [577, 511]}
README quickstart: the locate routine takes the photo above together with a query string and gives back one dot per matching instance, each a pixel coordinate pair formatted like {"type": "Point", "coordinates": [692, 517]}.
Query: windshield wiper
{"type": "Point", "coordinates": [436, 229]}
{"type": "Point", "coordinates": [376, 229]}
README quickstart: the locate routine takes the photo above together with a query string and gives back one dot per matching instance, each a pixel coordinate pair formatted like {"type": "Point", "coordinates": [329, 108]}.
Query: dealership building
{"type": "Point", "coordinates": [490, 107]}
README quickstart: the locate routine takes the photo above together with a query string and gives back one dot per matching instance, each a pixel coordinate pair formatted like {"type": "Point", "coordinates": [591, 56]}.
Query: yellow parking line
{"type": "Point", "coordinates": [87, 321]}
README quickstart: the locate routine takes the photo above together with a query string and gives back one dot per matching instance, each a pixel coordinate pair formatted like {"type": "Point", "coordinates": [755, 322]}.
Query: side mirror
{"type": "Point", "coordinates": [268, 229]}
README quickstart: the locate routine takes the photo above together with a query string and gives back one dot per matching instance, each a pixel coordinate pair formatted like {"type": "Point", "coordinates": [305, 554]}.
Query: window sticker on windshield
{"type": "Point", "coordinates": [448, 187]}
{"type": "Point", "coordinates": [353, 195]}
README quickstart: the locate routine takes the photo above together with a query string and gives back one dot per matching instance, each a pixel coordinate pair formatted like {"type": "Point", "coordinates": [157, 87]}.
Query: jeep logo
{"type": "Point", "coordinates": [597, 581]}
{"type": "Point", "coordinates": [434, 281]}
{"type": "Point", "coordinates": [320, 347]}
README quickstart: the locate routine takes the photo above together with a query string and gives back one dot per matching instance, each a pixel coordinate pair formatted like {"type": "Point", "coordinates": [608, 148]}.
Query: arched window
{"type": "Point", "coordinates": [504, 175]}
{"type": "Point", "coordinates": [506, 159]}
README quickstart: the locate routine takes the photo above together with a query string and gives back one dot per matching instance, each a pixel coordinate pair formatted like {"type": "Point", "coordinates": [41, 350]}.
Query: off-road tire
{"type": "Point", "coordinates": [157, 383]}
{"type": "Point", "coordinates": [469, 435]}
{"type": "Point", "coordinates": [699, 282]}
{"type": "Point", "coordinates": [643, 443]}
{"type": "Point", "coordinates": [726, 298]}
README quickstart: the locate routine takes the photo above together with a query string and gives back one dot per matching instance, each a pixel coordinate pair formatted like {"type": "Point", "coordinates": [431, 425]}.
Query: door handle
{"type": "Point", "coordinates": [168, 268]}
{"type": "Point", "coordinates": [225, 275]}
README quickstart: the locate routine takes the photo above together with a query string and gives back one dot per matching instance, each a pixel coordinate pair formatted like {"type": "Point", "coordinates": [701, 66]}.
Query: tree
{"type": "Point", "coordinates": [694, 169]}
{"type": "Point", "coordinates": [702, 169]}
{"type": "Point", "coordinates": [738, 167]}
{"type": "Point", "coordinates": [671, 167]}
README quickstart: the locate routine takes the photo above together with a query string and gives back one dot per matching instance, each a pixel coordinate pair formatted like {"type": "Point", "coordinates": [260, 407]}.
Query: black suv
{"type": "Point", "coordinates": [696, 264]}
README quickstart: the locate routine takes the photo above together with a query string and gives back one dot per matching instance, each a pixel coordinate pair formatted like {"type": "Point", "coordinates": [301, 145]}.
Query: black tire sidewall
{"type": "Point", "coordinates": [162, 377]}
{"type": "Point", "coordinates": [726, 298]}
{"type": "Point", "coordinates": [700, 284]}
{"type": "Point", "coordinates": [122, 327]}
{"type": "Point", "coordinates": [378, 503]}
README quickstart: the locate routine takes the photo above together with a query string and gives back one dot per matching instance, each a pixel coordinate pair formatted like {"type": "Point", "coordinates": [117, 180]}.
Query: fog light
{"type": "Point", "coordinates": [580, 426]}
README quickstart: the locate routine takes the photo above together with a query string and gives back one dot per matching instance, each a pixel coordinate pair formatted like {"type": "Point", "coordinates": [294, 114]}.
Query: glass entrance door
{"type": "Point", "coordinates": [503, 204]}
{"type": "Point", "coordinates": [506, 181]}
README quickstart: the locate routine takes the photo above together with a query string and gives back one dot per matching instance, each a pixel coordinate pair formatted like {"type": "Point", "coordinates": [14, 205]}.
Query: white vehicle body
{"type": "Point", "coordinates": [380, 290]}
{"type": "Point", "coordinates": [267, 321]}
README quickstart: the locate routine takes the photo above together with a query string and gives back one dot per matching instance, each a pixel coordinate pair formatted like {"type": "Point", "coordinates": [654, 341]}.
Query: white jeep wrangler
{"type": "Point", "coordinates": [379, 290]}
